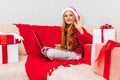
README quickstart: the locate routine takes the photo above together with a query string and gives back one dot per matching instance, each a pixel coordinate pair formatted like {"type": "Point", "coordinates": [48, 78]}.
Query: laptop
{"type": "Point", "coordinates": [38, 39]}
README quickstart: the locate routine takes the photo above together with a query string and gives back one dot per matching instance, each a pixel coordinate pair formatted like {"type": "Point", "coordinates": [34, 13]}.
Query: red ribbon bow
{"type": "Point", "coordinates": [106, 52]}
{"type": "Point", "coordinates": [106, 26]}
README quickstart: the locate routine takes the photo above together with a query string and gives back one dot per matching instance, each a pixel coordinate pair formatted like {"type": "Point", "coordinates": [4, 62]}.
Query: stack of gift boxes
{"type": "Point", "coordinates": [105, 63]}
{"type": "Point", "coordinates": [9, 47]}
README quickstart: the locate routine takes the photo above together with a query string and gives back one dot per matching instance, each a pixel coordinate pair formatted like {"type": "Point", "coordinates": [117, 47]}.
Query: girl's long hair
{"type": "Point", "coordinates": [68, 41]}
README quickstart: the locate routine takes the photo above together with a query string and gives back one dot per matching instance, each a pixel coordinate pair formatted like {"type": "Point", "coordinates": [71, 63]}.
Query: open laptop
{"type": "Point", "coordinates": [38, 39]}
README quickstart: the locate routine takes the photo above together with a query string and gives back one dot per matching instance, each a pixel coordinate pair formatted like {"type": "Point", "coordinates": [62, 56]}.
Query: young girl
{"type": "Point", "coordinates": [74, 37]}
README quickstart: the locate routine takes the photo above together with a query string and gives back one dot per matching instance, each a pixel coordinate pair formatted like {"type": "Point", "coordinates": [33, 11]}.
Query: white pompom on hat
{"type": "Point", "coordinates": [72, 10]}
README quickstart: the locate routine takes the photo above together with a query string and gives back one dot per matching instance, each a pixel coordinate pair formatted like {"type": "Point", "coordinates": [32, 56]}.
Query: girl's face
{"type": "Point", "coordinates": [69, 17]}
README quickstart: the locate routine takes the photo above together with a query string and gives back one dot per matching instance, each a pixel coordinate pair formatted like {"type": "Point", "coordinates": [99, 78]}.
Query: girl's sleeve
{"type": "Point", "coordinates": [85, 38]}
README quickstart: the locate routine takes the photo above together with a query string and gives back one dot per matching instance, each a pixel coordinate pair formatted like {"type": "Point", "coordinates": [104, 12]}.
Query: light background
{"type": "Point", "coordinates": [48, 12]}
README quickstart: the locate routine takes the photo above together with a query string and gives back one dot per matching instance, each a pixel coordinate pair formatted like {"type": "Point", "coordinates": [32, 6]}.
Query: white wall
{"type": "Point", "coordinates": [48, 12]}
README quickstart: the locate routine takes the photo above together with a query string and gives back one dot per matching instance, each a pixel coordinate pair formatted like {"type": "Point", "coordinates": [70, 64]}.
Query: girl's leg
{"type": "Point", "coordinates": [60, 55]}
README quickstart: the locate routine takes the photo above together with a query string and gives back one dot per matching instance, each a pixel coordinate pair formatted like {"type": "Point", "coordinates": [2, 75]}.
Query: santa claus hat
{"type": "Point", "coordinates": [72, 10]}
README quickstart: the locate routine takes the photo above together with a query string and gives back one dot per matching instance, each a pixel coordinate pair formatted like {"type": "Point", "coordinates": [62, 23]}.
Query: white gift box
{"type": "Point", "coordinates": [8, 53]}
{"type": "Point", "coordinates": [108, 34]}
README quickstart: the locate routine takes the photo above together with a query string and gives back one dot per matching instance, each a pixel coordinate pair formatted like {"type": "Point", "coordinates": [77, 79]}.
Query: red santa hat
{"type": "Point", "coordinates": [72, 10]}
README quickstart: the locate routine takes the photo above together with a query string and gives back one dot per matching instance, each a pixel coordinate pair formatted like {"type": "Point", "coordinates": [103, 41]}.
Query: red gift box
{"type": "Point", "coordinates": [107, 60]}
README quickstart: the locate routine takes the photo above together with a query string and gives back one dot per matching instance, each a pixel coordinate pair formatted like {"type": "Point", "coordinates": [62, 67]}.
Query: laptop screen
{"type": "Point", "coordinates": [38, 39]}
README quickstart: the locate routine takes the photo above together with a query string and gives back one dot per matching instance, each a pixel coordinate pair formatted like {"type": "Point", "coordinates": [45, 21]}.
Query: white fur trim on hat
{"type": "Point", "coordinates": [71, 9]}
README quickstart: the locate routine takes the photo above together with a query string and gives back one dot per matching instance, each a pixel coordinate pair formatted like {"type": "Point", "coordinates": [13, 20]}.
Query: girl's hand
{"type": "Point", "coordinates": [57, 46]}
{"type": "Point", "coordinates": [79, 24]}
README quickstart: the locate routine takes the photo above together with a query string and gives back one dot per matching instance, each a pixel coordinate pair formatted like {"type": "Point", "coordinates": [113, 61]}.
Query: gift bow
{"type": "Point", "coordinates": [106, 49]}
{"type": "Point", "coordinates": [106, 26]}
{"type": "Point", "coordinates": [106, 52]}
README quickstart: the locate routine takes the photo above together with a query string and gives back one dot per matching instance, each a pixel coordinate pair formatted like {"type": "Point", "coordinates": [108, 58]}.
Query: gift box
{"type": "Point", "coordinates": [9, 47]}
{"type": "Point", "coordinates": [109, 64]}
{"type": "Point", "coordinates": [8, 53]}
{"type": "Point", "coordinates": [105, 33]}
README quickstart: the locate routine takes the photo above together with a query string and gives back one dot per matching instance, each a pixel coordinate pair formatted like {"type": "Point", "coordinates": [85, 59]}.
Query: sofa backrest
{"type": "Point", "coordinates": [45, 34]}
{"type": "Point", "coordinates": [117, 28]}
